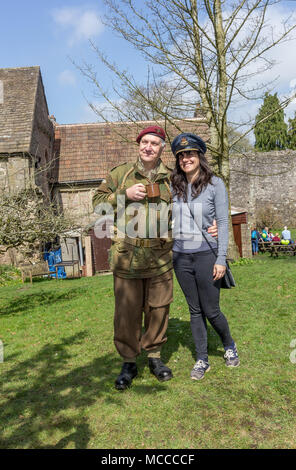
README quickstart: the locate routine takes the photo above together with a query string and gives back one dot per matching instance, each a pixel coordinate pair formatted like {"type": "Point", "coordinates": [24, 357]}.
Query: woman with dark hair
{"type": "Point", "coordinates": [199, 260]}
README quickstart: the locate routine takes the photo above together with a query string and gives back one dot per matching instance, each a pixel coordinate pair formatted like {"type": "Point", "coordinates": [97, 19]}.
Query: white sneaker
{"type": "Point", "coordinates": [199, 370]}
{"type": "Point", "coordinates": [231, 357]}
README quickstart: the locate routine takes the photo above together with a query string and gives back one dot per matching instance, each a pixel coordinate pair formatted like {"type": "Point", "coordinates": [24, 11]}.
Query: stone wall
{"type": "Point", "coordinates": [42, 142]}
{"type": "Point", "coordinates": [17, 108]}
{"type": "Point", "coordinates": [246, 241]}
{"type": "Point", "coordinates": [265, 180]}
{"type": "Point", "coordinates": [14, 172]}
{"type": "Point", "coordinates": [26, 132]}
{"type": "Point", "coordinates": [77, 202]}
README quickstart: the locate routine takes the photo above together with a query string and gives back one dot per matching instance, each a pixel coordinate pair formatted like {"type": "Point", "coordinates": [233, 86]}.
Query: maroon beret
{"type": "Point", "coordinates": [154, 130]}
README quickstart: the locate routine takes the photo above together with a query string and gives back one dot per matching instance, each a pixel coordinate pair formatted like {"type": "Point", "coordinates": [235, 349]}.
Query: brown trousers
{"type": "Point", "coordinates": [133, 297]}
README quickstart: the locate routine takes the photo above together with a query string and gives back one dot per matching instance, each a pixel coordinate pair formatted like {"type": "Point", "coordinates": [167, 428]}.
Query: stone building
{"type": "Point", "coordinates": [26, 132]}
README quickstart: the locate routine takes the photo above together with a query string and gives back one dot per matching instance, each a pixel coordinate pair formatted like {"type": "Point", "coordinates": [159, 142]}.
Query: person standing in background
{"type": "Point", "coordinates": [255, 241]}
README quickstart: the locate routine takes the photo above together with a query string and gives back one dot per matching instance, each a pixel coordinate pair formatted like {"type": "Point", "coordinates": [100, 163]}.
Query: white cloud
{"type": "Point", "coordinates": [81, 23]}
{"type": "Point", "coordinates": [67, 78]}
{"type": "Point", "coordinates": [90, 115]}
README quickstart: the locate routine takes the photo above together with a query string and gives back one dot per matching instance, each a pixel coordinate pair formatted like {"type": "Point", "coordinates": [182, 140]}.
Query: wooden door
{"type": "Point", "coordinates": [238, 237]}
{"type": "Point", "coordinates": [100, 247]}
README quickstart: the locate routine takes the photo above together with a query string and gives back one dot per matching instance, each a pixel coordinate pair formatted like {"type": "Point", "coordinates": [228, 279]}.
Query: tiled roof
{"type": "Point", "coordinates": [17, 105]}
{"type": "Point", "coordinates": [88, 151]}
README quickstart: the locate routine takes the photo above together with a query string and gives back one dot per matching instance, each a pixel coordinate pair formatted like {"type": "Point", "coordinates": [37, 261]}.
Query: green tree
{"type": "Point", "coordinates": [271, 130]}
{"type": "Point", "coordinates": [292, 133]}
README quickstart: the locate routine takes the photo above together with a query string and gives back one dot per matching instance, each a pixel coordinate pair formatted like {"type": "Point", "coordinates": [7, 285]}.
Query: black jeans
{"type": "Point", "coordinates": [194, 272]}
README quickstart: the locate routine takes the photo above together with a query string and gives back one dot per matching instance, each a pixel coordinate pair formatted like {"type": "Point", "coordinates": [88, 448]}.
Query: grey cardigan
{"type": "Point", "coordinates": [210, 204]}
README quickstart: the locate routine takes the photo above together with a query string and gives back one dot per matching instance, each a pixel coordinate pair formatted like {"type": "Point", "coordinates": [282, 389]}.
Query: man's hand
{"type": "Point", "coordinates": [137, 192]}
{"type": "Point", "coordinates": [213, 230]}
{"type": "Point", "coordinates": [218, 271]}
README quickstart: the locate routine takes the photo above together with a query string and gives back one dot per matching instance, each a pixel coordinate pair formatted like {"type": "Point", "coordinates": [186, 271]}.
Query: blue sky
{"type": "Point", "coordinates": [49, 34]}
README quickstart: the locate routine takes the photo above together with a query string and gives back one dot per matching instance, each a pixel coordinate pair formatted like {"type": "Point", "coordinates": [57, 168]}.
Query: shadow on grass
{"type": "Point", "coordinates": [31, 299]}
{"type": "Point", "coordinates": [179, 334]}
{"type": "Point", "coordinates": [45, 279]}
{"type": "Point", "coordinates": [47, 399]}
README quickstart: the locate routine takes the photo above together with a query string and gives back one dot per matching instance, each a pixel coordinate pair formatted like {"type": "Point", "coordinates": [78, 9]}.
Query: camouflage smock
{"type": "Point", "coordinates": [126, 259]}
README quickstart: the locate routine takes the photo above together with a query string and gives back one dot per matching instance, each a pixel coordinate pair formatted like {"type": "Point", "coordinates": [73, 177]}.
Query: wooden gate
{"type": "Point", "coordinates": [100, 247]}
{"type": "Point", "coordinates": [238, 237]}
{"type": "Point", "coordinates": [237, 220]}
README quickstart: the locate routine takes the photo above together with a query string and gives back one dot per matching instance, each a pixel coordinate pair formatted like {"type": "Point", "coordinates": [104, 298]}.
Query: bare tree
{"type": "Point", "coordinates": [242, 143]}
{"type": "Point", "coordinates": [25, 220]}
{"type": "Point", "coordinates": [208, 49]}
{"type": "Point", "coordinates": [211, 50]}
{"type": "Point", "coordinates": [267, 216]}
{"type": "Point", "coordinates": [153, 101]}
{"type": "Point", "coordinates": [28, 217]}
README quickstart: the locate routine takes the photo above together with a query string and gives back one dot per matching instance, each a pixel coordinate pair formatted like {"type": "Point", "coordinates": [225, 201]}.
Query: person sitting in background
{"type": "Point", "coordinates": [270, 235]}
{"type": "Point", "coordinates": [286, 234]}
{"type": "Point", "coordinates": [276, 238]}
{"type": "Point", "coordinates": [264, 234]}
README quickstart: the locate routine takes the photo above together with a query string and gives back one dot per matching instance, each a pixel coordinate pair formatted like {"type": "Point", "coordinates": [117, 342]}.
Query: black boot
{"type": "Point", "coordinates": [128, 373]}
{"type": "Point", "coordinates": [157, 367]}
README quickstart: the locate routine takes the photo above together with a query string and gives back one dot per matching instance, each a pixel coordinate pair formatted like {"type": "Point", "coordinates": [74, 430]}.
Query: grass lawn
{"type": "Point", "coordinates": [57, 378]}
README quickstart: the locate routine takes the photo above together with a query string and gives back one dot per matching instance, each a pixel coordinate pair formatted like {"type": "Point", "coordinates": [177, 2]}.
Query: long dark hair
{"type": "Point", "coordinates": [180, 183]}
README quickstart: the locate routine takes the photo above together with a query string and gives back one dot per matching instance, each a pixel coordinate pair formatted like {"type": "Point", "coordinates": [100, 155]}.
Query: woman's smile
{"type": "Point", "coordinates": [189, 163]}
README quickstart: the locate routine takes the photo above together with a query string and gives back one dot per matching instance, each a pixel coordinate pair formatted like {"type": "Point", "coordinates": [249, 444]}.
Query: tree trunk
{"type": "Point", "coordinates": [220, 164]}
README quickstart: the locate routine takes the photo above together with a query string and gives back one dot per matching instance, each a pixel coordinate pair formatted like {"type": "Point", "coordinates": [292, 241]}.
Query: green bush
{"type": "Point", "coordinates": [9, 274]}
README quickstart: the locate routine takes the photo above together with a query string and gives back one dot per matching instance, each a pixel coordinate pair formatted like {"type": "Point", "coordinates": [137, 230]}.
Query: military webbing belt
{"type": "Point", "coordinates": [145, 242]}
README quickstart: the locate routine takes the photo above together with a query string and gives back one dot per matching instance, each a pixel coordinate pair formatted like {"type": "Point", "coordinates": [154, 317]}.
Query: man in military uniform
{"type": "Point", "coordinates": [142, 265]}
